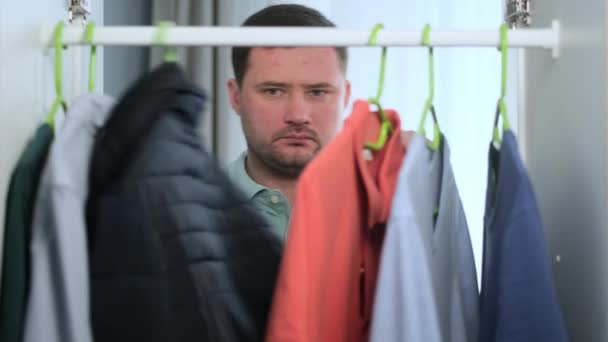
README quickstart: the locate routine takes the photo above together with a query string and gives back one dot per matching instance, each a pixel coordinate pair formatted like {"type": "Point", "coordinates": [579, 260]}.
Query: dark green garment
{"type": "Point", "coordinates": [19, 211]}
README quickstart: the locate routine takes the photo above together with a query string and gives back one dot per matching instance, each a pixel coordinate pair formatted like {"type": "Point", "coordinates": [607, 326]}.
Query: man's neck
{"type": "Point", "coordinates": [265, 176]}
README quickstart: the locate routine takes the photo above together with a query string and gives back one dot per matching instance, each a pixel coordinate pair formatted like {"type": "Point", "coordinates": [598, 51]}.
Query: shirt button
{"type": "Point", "coordinates": [274, 199]}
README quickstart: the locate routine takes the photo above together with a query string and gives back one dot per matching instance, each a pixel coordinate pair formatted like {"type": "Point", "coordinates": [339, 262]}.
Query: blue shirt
{"type": "Point", "coordinates": [518, 298]}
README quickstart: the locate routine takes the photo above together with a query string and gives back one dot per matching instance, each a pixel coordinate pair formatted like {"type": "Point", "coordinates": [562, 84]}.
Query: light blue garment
{"type": "Point", "coordinates": [428, 260]}
{"type": "Point", "coordinates": [58, 306]}
{"type": "Point", "coordinates": [453, 267]}
{"type": "Point", "coordinates": [405, 308]}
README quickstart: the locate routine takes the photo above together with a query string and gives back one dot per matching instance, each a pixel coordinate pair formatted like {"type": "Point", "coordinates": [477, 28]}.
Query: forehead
{"type": "Point", "coordinates": [294, 62]}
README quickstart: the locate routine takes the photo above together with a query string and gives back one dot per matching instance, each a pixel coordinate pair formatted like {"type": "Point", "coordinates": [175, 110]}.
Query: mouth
{"type": "Point", "coordinates": [298, 137]}
{"type": "Point", "coordinates": [298, 140]}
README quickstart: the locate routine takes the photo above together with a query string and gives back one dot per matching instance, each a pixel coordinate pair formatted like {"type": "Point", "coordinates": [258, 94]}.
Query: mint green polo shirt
{"type": "Point", "coordinates": [271, 203]}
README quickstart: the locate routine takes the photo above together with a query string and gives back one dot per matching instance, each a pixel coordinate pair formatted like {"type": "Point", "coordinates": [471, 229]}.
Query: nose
{"type": "Point", "coordinates": [298, 110]}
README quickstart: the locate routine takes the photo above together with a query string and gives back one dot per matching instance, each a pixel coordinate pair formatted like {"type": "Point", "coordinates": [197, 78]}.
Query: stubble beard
{"type": "Point", "coordinates": [283, 164]}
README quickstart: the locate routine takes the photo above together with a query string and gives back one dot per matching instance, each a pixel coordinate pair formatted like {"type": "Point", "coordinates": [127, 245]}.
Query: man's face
{"type": "Point", "coordinates": [290, 102]}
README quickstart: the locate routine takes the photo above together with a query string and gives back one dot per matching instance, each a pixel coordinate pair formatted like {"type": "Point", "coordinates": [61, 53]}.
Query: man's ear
{"type": "Point", "coordinates": [346, 94]}
{"type": "Point", "coordinates": [233, 94]}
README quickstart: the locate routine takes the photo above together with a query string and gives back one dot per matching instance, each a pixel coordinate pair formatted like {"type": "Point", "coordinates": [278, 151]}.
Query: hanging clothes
{"type": "Point", "coordinates": [58, 307]}
{"type": "Point", "coordinates": [427, 290]}
{"type": "Point", "coordinates": [176, 252]}
{"type": "Point", "coordinates": [17, 233]}
{"type": "Point", "coordinates": [518, 298]}
{"type": "Point", "coordinates": [328, 274]}
{"type": "Point", "coordinates": [405, 308]}
{"type": "Point", "coordinates": [453, 263]}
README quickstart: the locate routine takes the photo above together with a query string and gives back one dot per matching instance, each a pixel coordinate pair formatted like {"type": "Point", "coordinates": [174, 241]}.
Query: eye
{"type": "Point", "coordinates": [318, 92]}
{"type": "Point", "coordinates": [273, 91]}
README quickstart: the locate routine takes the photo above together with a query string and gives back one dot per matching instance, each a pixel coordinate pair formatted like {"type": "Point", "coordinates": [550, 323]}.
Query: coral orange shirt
{"type": "Point", "coordinates": [328, 274]}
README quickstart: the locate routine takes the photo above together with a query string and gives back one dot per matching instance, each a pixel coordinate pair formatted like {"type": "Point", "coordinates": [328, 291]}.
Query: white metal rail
{"type": "Point", "coordinates": [546, 38]}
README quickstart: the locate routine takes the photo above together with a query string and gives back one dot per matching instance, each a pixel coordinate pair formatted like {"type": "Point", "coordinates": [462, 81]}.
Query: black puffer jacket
{"type": "Point", "coordinates": [176, 252]}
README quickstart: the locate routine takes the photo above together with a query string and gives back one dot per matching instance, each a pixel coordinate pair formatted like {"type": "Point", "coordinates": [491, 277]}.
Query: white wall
{"type": "Point", "coordinates": [26, 76]}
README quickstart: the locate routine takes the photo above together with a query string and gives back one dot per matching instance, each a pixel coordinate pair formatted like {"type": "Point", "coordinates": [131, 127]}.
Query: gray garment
{"type": "Point", "coordinates": [58, 306]}
{"type": "Point", "coordinates": [453, 267]}
{"type": "Point", "coordinates": [430, 184]}
{"type": "Point", "coordinates": [405, 308]}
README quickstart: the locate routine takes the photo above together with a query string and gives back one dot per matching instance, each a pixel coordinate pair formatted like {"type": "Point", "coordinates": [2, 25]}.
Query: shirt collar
{"type": "Point", "coordinates": [238, 174]}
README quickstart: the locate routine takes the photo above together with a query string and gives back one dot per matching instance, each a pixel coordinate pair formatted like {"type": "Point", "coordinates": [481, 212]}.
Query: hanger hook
{"type": "Point", "coordinates": [503, 50]}
{"type": "Point", "coordinates": [386, 127]}
{"type": "Point", "coordinates": [59, 100]}
{"type": "Point", "coordinates": [501, 108]}
{"type": "Point", "coordinates": [90, 30]}
{"type": "Point", "coordinates": [372, 42]}
{"type": "Point", "coordinates": [426, 41]}
{"type": "Point", "coordinates": [426, 35]}
{"type": "Point", "coordinates": [58, 37]}
{"type": "Point", "coordinates": [434, 145]}
{"type": "Point", "coordinates": [170, 55]}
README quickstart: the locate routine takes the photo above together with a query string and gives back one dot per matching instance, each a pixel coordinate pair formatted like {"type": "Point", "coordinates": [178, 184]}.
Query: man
{"type": "Point", "coordinates": [290, 102]}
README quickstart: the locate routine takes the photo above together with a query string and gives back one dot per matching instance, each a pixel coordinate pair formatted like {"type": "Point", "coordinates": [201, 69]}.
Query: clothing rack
{"type": "Point", "coordinates": [545, 38]}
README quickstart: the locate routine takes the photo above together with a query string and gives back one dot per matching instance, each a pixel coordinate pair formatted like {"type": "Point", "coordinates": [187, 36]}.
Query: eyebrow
{"type": "Point", "coordinates": [319, 85]}
{"type": "Point", "coordinates": [272, 84]}
{"type": "Point", "coordinates": [269, 84]}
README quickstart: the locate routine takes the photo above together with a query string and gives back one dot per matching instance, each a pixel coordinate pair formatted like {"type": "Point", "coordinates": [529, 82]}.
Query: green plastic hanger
{"type": "Point", "coordinates": [170, 54]}
{"type": "Point", "coordinates": [501, 108]}
{"type": "Point", "coordinates": [385, 128]}
{"type": "Point", "coordinates": [434, 145]}
{"type": "Point", "coordinates": [93, 58]}
{"type": "Point", "coordinates": [428, 106]}
{"type": "Point", "coordinates": [59, 100]}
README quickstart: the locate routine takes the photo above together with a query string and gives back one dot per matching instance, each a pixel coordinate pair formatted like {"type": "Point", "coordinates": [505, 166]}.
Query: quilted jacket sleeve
{"type": "Point", "coordinates": [178, 254]}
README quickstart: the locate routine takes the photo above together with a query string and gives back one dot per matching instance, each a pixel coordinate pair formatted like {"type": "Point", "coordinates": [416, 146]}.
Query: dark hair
{"type": "Point", "coordinates": [281, 15]}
